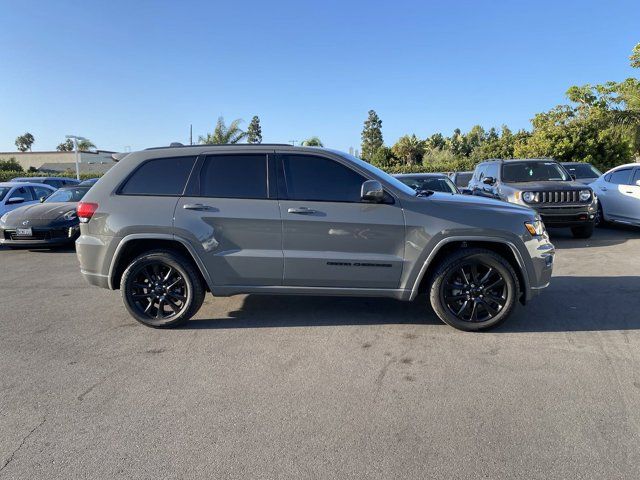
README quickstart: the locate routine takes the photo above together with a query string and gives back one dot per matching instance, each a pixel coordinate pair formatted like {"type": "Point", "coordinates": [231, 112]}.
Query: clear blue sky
{"type": "Point", "coordinates": [137, 73]}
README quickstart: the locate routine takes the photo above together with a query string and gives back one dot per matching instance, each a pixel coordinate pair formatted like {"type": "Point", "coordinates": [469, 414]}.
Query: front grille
{"type": "Point", "coordinates": [567, 196]}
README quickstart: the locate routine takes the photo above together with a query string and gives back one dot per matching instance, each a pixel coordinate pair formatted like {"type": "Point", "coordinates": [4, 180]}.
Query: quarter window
{"type": "Point", "coordinates": [619, 177]}
{"type": "Point", "coordinates": [161, 176]}
{"type": "Point", "coordinates": [636, 177]}
{"type": "Point", "coordinates": [320, 179]}
{"type": "Point", "coordinates": [234, 176]}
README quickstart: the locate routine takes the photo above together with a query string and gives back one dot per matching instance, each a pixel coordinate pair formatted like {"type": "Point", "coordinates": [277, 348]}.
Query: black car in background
{"type": "Point", "coordinates": [582, 172]}
{"type": "Point", "coordinates": [428, 182]}
{"type": "Point", "coordinates": [52, 222]}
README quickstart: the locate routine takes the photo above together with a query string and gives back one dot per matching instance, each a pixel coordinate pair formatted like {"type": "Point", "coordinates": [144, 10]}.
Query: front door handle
{"type": "Point", "coordinates": [301, 211]}
{"type": "Point", "coordinates": [604, 189]}
{"type": "Point", "coordinates": [196, 206]}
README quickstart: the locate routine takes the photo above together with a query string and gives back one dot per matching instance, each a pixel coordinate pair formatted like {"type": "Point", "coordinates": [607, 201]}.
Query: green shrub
{"type": "Point", "coordinates": [459, 165]}
{"type": "Point", "coordinates": [10, 165]}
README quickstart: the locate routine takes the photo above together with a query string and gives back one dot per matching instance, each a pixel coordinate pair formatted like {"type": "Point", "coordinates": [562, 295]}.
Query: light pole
{"type": "Point", "coordinates": [75, 139]}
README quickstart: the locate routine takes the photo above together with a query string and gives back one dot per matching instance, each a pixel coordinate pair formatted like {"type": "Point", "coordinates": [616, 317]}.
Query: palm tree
{"type": "Point", "coordinates": [85, 145]}
{"type": "Point", "coordinates": [224, 134]}
{"type": "Point", "coordinates": [409, 148]}
{"type": "Point", "coordinates": [312, 142]}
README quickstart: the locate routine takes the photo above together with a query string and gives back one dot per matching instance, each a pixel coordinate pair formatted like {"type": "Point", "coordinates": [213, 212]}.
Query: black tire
{"type": "Point", "coordinates": [162, 279]}
{"type": "Point", "coordinates": [491, 299]}
{"type": "Point", "coordinates": [599, 221]}
{"type": "Point", "coordinates": [585, 231]}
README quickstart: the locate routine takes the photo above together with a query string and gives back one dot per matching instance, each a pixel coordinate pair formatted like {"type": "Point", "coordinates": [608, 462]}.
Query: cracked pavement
{"type": "Point", "coordinates": [307, 387]}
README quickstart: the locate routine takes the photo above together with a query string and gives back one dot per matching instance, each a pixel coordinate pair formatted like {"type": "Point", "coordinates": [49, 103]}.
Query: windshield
{"type": "Point", "coordinates": [376, 172]}
{"type": "Point", "coordinates": [462, 178]}
{"type": "Point", "coordinates": [582, 170]}
{"type": "Point", "coordinates": [67, 195]}
{"type": "Point", "coordinates": [3, 192]}
{"type": "Point", "coordinates": [514, 172]}
{"type": "Point", "coordinates": [436, 184]}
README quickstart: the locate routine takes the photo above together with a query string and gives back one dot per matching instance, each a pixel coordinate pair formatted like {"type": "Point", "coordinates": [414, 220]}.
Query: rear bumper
{"type": "Point", "coordinates": [94, 254]}
{"type": "Point", "coordinates": [43, 237]}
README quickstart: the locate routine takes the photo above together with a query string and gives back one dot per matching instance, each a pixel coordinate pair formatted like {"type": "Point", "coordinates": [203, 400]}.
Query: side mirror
{"type": "Point", "coordinates": [15, 200]}
{"type": "Point", "coordinates": [372, 191]}
{"type": "Point", "coordinates": [573, 177]}
{"type": "Point", "coordinates": [488, 180]}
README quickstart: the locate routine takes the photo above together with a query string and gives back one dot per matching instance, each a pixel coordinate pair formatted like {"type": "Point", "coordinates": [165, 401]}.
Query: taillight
{"type": "Point", "coordinates": [86, 210]}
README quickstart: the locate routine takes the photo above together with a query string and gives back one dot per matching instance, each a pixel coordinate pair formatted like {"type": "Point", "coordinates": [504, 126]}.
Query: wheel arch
{"type": "Point", "coordinates": [136, 244]}
{"type": "Point", "coordinates": [446, 246]}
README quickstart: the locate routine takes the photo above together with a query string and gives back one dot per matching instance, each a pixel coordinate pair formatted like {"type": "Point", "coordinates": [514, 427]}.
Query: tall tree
{"type": "Point", "coordinates": [223, 134]}
{"type": "Point", "coordinates": [371, 136]}
{"type": "Point", "coordinates": [24, 142]}
{"type": "Point", "coordinates": [409, 149]}
{"type": "Point", "coordinates": [254, 132]}
{"type": "Point", "coordinates": [312, 142]}
{"type": "Point", "coordinates": [83, 145]}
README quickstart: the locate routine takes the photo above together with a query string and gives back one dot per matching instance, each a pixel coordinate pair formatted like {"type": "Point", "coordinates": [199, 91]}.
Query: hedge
{"type": "Point", "coordinates": [455, 166]}
{"type": "Point", "coordinates": [6, 176]}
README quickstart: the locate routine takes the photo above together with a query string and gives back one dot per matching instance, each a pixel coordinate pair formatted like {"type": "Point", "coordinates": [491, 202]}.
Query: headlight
{"type": "Point", "coordinates": [535, 228]}
{"type": "Point", "coordinates": [530, 197]}
{"type": "Point", "coordinates": [70, 215]}
{"type": "Point", "coordinates": [585, 195]}
{"type": "Point", "coordinates": [4, 217]}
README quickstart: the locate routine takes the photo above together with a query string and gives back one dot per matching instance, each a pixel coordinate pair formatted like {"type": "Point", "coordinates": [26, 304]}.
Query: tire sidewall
{"type": "Point", "coordinates": [149, 259]}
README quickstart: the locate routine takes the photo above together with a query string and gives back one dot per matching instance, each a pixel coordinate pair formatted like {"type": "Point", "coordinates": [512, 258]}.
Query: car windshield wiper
{"type": "Point", "coordinates": [424, 193]}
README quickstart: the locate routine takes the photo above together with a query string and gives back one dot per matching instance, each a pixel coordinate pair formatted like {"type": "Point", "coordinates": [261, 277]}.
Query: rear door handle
{"type": "Point", "coordinates": [301, 211]}
{"type": "Point", "coordinates": [196, 206]}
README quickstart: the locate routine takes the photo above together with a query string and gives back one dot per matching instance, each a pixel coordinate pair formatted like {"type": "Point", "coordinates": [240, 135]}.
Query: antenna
{"type": "Point", "coordinates": [191, 134]}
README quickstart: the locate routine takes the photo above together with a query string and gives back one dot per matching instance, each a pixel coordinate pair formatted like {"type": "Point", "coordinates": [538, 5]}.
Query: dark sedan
{"type": "Point", "coordinates": [51, 223]}
{"type": "Point", "coordinates": [428, 182]}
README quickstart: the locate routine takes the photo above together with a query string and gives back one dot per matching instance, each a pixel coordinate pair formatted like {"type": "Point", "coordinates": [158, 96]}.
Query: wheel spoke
{"type": "Point", "coordinates": [463, 308]}
{"type": "Point", "coordinates": [498, 300]}
{"type": "Point", "coordinates": [148, 306]}
{"type": "Point", "coordinates": [464, 276]}
{"type": "Point", "coordinates": [160, 311]}
{"type": "Point", "coordinates": [172, 305]}
{"type": "Point", "coordinates": [177, 296]}
{"type": "Point", "coordinates": [486, 276]}
{"type": "Point", "coordinates": [474, 273]}
{"type": "Point", "coordinates": [498, 283]}
{"type": "Point", "coordinates": [176, 282]}
{"type": "Point", "coordinates": [169, 272]}
{"type": "Point", "coordinates": [453, 298]}
{"type": "Point", "coordinates": [474, 312]}
{"type": "Point", "coordinates": [142, 295]}
{"type": "Point", "coordinates": [490, 310]}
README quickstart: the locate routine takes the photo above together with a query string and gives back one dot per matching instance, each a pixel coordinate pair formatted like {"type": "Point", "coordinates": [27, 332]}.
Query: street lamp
{"type": "Point", "coordinates": [75, 139]}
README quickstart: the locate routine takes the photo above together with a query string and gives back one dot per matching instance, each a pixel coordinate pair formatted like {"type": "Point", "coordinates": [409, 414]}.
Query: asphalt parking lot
{"type": "Point", "coordinates": [306, 387]}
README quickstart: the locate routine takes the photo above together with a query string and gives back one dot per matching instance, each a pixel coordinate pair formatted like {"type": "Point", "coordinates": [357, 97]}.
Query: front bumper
{"type": "Point", "coordinates": [42, 236]}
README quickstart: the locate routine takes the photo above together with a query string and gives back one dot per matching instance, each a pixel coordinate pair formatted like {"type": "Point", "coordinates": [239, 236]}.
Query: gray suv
{"type": "Point", "coordinates": [165, 225]}
{"type": "Point", "coordinates": [543, 185]}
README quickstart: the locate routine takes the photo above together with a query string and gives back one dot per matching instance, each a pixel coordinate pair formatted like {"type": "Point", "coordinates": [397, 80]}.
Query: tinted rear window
{"type": "Point", "coordinates": [462, 179]}
{"type": "Point", "coordinates": [234, 176]}
{"type": "Point", "coordinates": [162, 176]}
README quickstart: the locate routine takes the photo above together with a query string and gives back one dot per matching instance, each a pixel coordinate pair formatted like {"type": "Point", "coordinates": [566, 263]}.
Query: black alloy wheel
{"type": "Point", "coordinates": [475, 292]}
{"type": "Point", "coordinates": [162, 289]}
{"type": "Point", "coordinates": [474, 289]}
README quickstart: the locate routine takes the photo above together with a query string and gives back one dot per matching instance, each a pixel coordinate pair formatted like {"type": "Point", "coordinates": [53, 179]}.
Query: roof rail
{"type": "Point", "coordinates": [179, 145]}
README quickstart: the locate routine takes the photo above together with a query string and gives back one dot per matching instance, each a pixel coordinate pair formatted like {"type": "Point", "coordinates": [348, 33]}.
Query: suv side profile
{"type": "Point", "coordinates": [543, 185]}
{"type": "Point", "coordinates": [166, 225]}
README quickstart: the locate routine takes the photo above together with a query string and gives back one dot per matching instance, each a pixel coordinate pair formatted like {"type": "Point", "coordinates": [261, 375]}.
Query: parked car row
{"type": "Point", "coordinates": [571, 194]}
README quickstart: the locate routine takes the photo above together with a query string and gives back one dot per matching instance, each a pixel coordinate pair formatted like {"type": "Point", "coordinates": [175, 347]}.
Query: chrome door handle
{"type": "Point", "coordinates": [301, 211]}
{"type": "Point", "coordinates": [196, 206]}
{"type": "Point", "coordinates": [604, 189]}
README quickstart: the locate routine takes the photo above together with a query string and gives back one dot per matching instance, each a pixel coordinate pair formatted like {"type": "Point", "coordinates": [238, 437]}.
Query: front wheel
{"type": "Point", "coordinates": [474, 289]}
{"type": "Point", "coordinates": [585, 231]}
{"type": "Point", "coordinates": [162, 289]}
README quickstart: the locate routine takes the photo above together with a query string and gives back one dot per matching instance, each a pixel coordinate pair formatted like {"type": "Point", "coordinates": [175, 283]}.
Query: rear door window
{"type": "Point", "coordinates": [160, 176]}
{"type": "Point", "coordinates": [636, 177]}
{"type": "Point", "coordinates": [234, 176]}
{"type": "Point", "coordinates": [619, 177]}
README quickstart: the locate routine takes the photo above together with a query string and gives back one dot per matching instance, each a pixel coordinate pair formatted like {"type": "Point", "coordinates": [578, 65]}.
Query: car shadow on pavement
{"type": "Point", "coordinates": [607, 236]}
{"type": "Point", "coordinates": [569, 304]}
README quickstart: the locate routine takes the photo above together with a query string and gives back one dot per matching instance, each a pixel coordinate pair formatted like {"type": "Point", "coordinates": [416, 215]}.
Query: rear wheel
{"type": "Point", "coordinates": [474, 289]}
{"type": "Point", "coordinates": [599, 221]}
{"type": "Point", "coordinates": [582, 232]}
{"type": "Point", "coordinates": [162, 289]}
